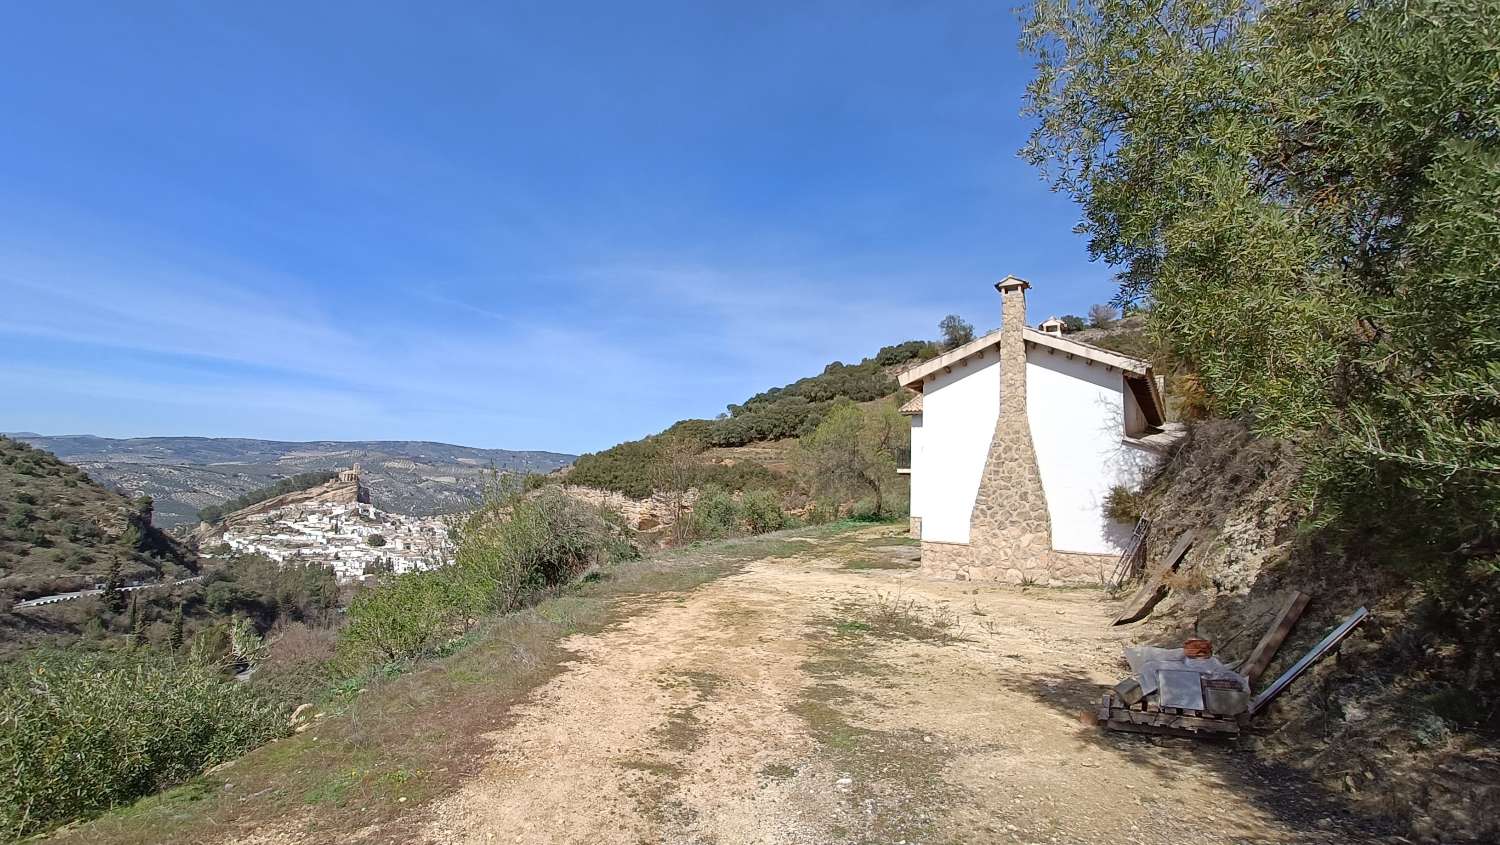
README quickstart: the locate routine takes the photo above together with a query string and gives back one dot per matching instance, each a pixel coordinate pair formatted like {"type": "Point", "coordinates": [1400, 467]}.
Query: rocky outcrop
{"type": "Point", "coordinates": [654, 514]}
{"type": "Point", "coordinates": [348, 488]}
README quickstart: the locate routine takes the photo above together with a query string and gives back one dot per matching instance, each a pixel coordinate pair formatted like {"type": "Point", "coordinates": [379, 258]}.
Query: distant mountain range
{"type": "Point", "coordinates": [183, 474]}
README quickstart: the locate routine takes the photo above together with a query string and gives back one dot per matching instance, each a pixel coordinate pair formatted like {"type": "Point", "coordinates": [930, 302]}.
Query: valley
{"type": "Point", "coordinates": [184, 474]}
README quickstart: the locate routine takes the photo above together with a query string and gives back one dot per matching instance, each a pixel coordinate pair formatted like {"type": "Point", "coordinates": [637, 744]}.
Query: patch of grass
{"type": "Point", "coordinates": [683, 729]}
{"type": "Point", "coordinates": [655, 767]}
{"type": "Point", "coordinates": [896, 786]}
{"type": "Point", "coordinates": [335, 789]}
{"type": "Point", "coordinates": [863, 563]}
{"type": "Point", "coordinates": [778, 771]}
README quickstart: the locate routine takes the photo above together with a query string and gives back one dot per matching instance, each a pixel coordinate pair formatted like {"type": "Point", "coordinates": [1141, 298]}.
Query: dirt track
{"type": "Point", "coordinates": [835, 696]}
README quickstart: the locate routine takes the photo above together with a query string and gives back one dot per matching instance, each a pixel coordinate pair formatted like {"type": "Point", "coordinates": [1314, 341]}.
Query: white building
{"type": "Point", "coordinates": [1017, 438]}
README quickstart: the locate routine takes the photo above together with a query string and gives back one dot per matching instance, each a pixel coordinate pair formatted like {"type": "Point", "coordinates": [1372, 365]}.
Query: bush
{"type": "Point", "coordinates": [865, 510]}
{"type": "Point", "coordinates": [1122, 504]}
{"type": "Point", "coordinates": [375, 540]}
{"type": "Point", "coordinates": [298, 663]}
{"type": "Point", "coordinates": [84, 731]}
{"type": "Point", "coordinates": [715, 514]}
{"type": "Point", "coordinates": [821, 511]}
{"type": "Point", "coordinates": [761, 511]}
{"type": "Point", "coordinates": [508, 552]}
{"type": "Point", "coordinates": [402, 617]}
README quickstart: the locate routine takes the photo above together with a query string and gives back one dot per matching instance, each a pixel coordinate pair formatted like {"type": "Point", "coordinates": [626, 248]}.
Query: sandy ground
{"type": "Point", "coordinates": [835, 696]}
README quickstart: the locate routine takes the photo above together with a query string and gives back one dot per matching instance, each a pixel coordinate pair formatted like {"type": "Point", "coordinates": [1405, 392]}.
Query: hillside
{"type": "Point", "coordinates": [60, 531]}
{"type": "Point", "coordinates": [185, 474]}
{"type": "Point", "coordinates": [750, 445]}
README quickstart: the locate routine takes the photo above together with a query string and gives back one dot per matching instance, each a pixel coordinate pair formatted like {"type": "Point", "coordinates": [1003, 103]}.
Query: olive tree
{"type": "Point", "coordinates": [1304, 192]}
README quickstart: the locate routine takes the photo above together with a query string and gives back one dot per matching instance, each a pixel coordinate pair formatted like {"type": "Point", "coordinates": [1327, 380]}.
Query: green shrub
{"type": "Point", "coordinates": [1122, 504]}
{"type": "Point", "coordinates": [84, 731]}
{"type": "Point", "coordinates": [508, 552]}
{"type": "Point", "coordinates": [715, 514]}
{"type": "Point", "coordinates": [866, 510]}
{"type": "Point", "coordinates": [761, 511]}
{"type": "Point", "coordinates": [402, 617]}
{"type": "Point", "coordinates": [821, 511]}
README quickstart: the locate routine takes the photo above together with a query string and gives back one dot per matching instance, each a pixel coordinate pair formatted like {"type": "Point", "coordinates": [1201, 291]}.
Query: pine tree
{"type": "Point", "coordinates": [137, 623]}
{"type": "Point", "coordinates": [177, 630]}
{"type": "Point", "coordinates": [113, 598]}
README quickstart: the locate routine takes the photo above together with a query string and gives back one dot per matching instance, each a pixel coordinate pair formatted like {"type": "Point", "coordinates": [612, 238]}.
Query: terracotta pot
{"type": "Point", "coordinates": [1197, 649]}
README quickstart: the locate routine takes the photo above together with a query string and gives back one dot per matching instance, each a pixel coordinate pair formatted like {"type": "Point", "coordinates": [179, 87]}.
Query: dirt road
{"type": "Point", "coordinates": [832, 695]}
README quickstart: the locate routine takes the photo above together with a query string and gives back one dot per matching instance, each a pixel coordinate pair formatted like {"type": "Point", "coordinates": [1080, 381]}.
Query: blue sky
{"type": "Point", "coordinates": [550, 225]}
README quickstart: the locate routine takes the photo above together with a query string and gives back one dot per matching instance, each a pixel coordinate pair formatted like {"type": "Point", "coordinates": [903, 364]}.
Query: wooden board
{"type": "Point", "coordinates": [1328, 644]}
{"type": "Point", "coordinates": [1281, 626]}
{"type": "Point", "coordinates": [1155, 588]}
{"type": "Point", "coordinates": [1153, 721]}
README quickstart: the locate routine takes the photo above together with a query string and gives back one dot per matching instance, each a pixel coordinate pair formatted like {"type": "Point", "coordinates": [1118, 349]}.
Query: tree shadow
{"type": "Point", "coordinates": [1309, 812]}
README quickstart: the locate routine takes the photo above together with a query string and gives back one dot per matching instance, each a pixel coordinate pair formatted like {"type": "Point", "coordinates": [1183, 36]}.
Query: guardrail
{"type": "Point", "coordinates": [42, 601]}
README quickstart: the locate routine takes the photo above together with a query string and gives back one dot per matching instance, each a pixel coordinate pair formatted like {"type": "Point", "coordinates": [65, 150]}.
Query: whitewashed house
{"type": "Point", "coordinates": [1016, 440]}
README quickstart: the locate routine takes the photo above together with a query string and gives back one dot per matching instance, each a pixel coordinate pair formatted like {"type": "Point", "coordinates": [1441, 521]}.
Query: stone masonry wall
{"type": "Point", "coordinates": [1010, 532]}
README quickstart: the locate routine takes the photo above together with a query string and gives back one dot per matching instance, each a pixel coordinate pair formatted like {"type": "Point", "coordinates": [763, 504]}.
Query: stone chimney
{"type": "Point", "coordinates": [1010, 533]}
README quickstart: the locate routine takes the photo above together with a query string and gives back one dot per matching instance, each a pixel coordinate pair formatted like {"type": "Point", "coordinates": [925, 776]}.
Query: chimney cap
{"type": "Point", "coordinates": [1011, 283]}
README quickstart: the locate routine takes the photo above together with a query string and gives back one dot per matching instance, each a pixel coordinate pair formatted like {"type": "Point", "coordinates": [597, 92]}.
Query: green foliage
{"type": "Point", "coordinates": [61, 532]}
{"type": "Point", "coordinates": [956, 331]}
{"type": "Point", "coordinates": [1073, 323]}
{"type": "Point", "coordinates": [508, 552]}
{"type": "Point", "coordinates": [402, 617]}
{"type": "Point", "coordinates": [301, 481]}
{"type": "Point", "coordinates": [375, 540]}
{"type": "Point", "coordinates": [795, 410]}
{"type": "Point", "coordinates": [667, 462]}
{"type": "Point", "coordinates": [268, 592]}
{"type": "Point", "coordinates": [715, 514]}
{"type": "Point", "coordinates": [761, 511]}
{"type": "Point", "coordinates": [83, 731]}
{"type": "Point", "coordinates": [852, 454]}
{"type": "Point", "coordinates": [1305, 193]}
{"type": "Point", "coordinates": [1122, 504]}
{"type": "Point", "coordinates": [179, 630]}
{"type": "Point", "coordinates": [626, 468]}
{"type": "Point", "coordinates": [909, 352]}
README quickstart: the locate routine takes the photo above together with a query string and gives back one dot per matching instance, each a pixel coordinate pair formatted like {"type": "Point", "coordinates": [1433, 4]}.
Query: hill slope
{"type": "Point", "coordinates": [748, 447]}
{"type": "Point", "coordinates": [184, 474]}
{"type": "Point", "coordinates": [60, 531]}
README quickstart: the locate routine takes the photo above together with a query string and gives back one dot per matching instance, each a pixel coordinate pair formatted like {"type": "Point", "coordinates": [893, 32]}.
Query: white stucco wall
{"type": "Point", "coordinates": [958, 418]}
{"type": "Point", "coordinates": [1077, 422]}
{"type": "Point", "coordinates": [1076, 414]}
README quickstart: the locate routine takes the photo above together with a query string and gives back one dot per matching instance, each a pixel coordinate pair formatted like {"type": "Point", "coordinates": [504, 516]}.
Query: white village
{"type": "Point", "coordinates": [336, 525]}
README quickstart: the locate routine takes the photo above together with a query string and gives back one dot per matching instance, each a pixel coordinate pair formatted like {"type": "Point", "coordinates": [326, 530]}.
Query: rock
{"type": "Point", "coordinates": [297, 714]}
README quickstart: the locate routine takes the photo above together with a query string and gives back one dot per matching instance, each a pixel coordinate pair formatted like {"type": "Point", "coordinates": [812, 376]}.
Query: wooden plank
{"type": "Point", "coordinates": [1334, 638]}
{"type": "Point", "coordinates": [1155, 588]}
{"type": "Point", "coordinates": [1266, 649]}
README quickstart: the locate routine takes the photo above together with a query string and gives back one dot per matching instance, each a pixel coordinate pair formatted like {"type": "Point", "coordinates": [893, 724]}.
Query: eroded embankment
{"type": "Point", "coordinates": [1386, 721]}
